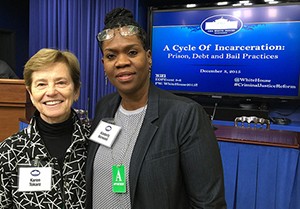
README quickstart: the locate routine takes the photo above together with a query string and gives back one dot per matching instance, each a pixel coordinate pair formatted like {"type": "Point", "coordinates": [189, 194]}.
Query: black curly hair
{"type": "Point", "coordinates": [120, 17]}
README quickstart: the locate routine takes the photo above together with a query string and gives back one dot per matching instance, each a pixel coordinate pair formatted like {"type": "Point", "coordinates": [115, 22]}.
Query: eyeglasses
{"type": "Point", "coordinates": [127, 30]}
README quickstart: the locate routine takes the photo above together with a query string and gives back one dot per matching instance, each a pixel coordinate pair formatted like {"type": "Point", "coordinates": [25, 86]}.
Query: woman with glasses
{"type": "Point", "coordinates": [43, 165]}
{"type": "Point", "coordinates": [149, 149]}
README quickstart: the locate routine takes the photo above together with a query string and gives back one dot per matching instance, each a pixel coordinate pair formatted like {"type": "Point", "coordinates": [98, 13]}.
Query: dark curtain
{"type": "Point", "coordinates": [73, 25]}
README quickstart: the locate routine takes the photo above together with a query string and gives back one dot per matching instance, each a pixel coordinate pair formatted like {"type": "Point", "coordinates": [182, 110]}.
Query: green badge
{"type": "Point", "coordinates": [118, 179]}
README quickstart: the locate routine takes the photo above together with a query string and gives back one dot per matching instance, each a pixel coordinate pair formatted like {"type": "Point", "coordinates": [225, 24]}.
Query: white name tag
{"type": "Point", "coordinates": [105, 133]}
{"type": "Point", "coordinates": [34, 179]}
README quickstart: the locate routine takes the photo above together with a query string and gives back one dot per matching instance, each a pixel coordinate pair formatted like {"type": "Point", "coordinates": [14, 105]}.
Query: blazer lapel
{"type": "Point", "coordinates": [143, 141]}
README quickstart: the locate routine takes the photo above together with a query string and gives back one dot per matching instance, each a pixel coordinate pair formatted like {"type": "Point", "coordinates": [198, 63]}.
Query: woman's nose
{"type": "Point", "coordinates": [122, 60]}
{"type": "Point", "coordinates": [51, 90]}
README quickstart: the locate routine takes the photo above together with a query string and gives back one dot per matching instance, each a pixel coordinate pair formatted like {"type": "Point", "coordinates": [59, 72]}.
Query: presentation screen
{"type": "Point", "coordinates": [229, 51]}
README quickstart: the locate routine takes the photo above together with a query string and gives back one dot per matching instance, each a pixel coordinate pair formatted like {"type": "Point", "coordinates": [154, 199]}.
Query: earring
{"type": "Point", "coordinates": [105, 77]}
{"type": "Point", "coordinates": [149, 70]}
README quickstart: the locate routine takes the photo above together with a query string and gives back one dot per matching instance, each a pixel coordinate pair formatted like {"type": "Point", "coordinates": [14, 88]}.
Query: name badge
{"type": "Point", "coordinates": [105, 133]}
{"type": "Point", "coordinates": [34, 179]}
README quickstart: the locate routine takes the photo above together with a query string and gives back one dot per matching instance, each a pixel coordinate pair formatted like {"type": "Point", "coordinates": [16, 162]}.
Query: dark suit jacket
{"type": "Point", "coordinates": [176, 162]}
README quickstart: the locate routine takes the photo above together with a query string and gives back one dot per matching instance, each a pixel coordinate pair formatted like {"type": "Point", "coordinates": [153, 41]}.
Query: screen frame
{"type": "Point", "coordinates": [216, 95]}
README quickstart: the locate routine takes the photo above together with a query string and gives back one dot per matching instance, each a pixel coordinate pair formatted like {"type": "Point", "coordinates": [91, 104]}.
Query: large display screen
{"type": "Point", "coordinates": [230, 51]}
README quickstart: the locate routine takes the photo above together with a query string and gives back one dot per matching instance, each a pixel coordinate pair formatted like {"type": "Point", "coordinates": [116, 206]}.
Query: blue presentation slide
{"type": "Point", "coordinates": [244, 51]}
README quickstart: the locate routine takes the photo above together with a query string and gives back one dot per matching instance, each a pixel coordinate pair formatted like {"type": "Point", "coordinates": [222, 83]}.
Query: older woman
{"type": "Point", "coordinates": [43, 165]}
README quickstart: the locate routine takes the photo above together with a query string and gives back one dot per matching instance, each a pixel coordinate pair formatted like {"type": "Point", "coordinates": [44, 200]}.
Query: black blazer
{"type": "Point", "coordinates": [176, 162]}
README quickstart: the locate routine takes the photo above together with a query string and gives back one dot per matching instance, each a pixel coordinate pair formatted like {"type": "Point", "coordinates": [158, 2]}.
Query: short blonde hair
{"type": "Point", "coordinates": [48, 56]}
